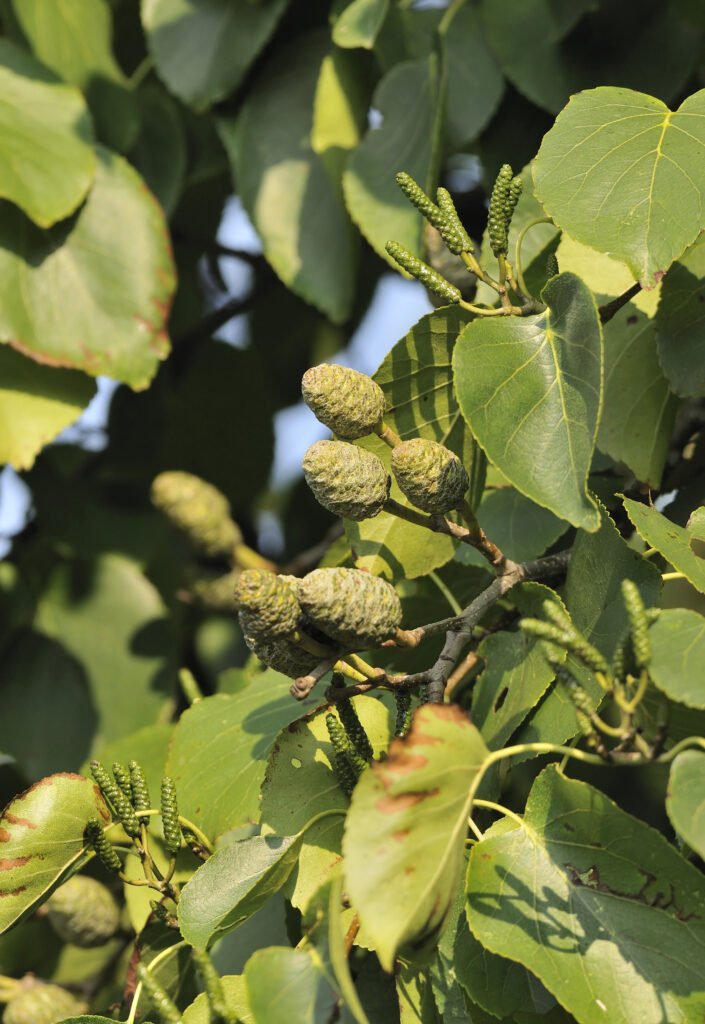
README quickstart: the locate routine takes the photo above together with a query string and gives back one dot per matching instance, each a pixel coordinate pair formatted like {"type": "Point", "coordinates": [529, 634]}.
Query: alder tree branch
{"type": "Point", "coordinates": [458, 630]}
{"type": "Point", "coordinates": [476, 537]}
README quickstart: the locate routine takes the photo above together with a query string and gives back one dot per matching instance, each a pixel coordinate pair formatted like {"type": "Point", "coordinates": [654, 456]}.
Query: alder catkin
{"type": "Point", "coordinates": [83, 912]}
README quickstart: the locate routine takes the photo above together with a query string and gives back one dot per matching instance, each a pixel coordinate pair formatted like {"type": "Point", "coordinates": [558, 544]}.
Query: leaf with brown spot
{"type": "Point", "coordinates": [42, 830]}
{"type": "Point", "coordinates": [405, 832]}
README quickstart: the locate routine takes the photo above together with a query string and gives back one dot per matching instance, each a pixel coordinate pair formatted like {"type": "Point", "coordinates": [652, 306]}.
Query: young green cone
{"type": "Point", "coordinates": [349, 403]}
{"type": "Point", "coordinates": [42, 1004]}
{"type": "Point", "coordinates": [431, 476]}
{"type": "Point", "coordinates": [352, 607]}
{"type": "Point", "coordinates": [83, 912]}
{"type": "Point", "coordinates": [198, 510]}
{"type": "Point", "coordinates": [282, 655]}
{"type": "Point", "coordinates": [346, 479]}
{"type": "Point", "coordinates": [267, 603]}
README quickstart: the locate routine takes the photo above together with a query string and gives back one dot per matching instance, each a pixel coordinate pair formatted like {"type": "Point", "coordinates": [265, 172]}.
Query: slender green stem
{"type": "Point", "coordinates": [650, 552]}
{"type": "Point", "coordinates": [490, 805]}
{"type": "Point", "coordinates": [456, 608]}
{"type": "Point", "coordinates": [488, 310]}
{"type": "Point", "coordinates": [519, 272]}
{"type": "Point", "coordinates": [189, 687]}
{"type": "Point", "coordinates": [159, 958]}
{"type": "Point", "coordinates": [387, 434]}
{"type": "Point", "coordinates": [141, 71]}
{"type": "Point", "coordinates": [673, 576]}
{"type": "Point", "coordinates": [448, 15]}
{"type": "Point", "coordinates": [203, 839]}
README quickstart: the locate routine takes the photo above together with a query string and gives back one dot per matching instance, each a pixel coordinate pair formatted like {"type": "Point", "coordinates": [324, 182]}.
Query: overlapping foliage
{"type": "Point", "coordinates": [460, 879]}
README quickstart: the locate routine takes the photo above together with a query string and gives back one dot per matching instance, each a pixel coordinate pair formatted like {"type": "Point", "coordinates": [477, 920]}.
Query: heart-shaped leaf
{"type": "Point", "coordinates": [624, 174]}
{"type": "Point", "coordinates": [405, 832]}
{"type": "Point", "coordinates": [41, 832]}
{"type": "Point", "coordinates": [530, 389]}
{"type": "Point", "coordinates": [594, 902]}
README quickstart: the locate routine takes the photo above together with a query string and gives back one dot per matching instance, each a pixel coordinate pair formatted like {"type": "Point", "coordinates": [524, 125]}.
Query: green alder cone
{"type": "Point", "coordinates": [83, 912]}
{"type": "Point", "coordinates": [42, 1004]}
{"type": "Point", "coordinates": [282, 655]}
{"type": "Point", "coordinates": [198, 510]}
{"type": "Point", "coordinates": [347, 480]}
{"type": "Point", "coordinates": [267, 603]}
{"type": "Point", "coordinates": [350, 606]}
{"type": "Point", "coordinates": [349, 403]}
{"type": "Point", "coordinates": [431, 476]}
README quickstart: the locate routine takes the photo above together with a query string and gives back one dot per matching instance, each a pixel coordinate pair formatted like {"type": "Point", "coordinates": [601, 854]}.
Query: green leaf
{"type": "Point", "coordinates": [595, 903]}
{"type": "Point", "coordinates": [672, 541]}
{"type": "Point", "coordinates": [159, 151]}
{"type": "Point", "coordinates": [417, 799]}
{"type": "Point", "coordinates": [235, 1000]}
{"type": "Point", "coordinates": [407, 100]}
{"type": "Point", "coordinates": [75, 41]}
{"type": "Point", "coordinates": [219, 752]}
{"type": "Point", "coordinates": [40, 681]}
{"type": "Point", "coordinates": [417, 381]}
{"type": "Point", "coordinates": [623, 174]}
{"type": "Point", "coordinates": [300, 784]}
{"type": "Point", "coordinates": [308, 240]}
{"type": "Point", "coordinates": [678, 655]}
{"type": "Point", "coordinates": [149, 746]}
{"type": "Point", "coordinates": [222, 393]}
{"type": "Point", "coordinates": [47, 163]}
{"type": "Point", "coordinates": [638, 410]}
{"type": "Point", "coordinates": [285, 985]}
{"type": "Point", "coordinates": [598, 564]}
{"type": "Point", "coordinates": [415, 995]}
{"type": "Point", "coordinates": [202, 48]}
{"type": "Point", "coordinates": [499, 986]}
{"type": "Point", "coordinates": [475, 81]}
{"type": "Point", "coordinates": [530, 389]}
{"type": "Point", "coordinates": [42, 835]}
{"type": "Point", "coordinates": [359, 23]}
{"type": "Point", "coordinates": [94, 292]}
{"type": "Point", "coordinates": [515, 677]}
{"type": "Point", "coordinates": [679, 321]}
{"type": "Point", "coordinates": [550, 51]}
{"type": "Point", "coordinates": [233, 884]}
{"type": "Point", "coordinates": [36, 403]}
{"type": "Point", "coordinates": [339, 111]}
{"type": "Point", "coordinates": [518, 526]}
{"type": "Point", "coordinates": [685, 800]}
{"type": "Point", "coordinates": [108, 615]}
